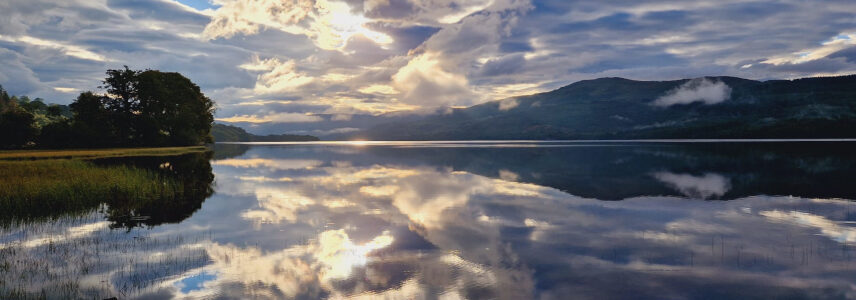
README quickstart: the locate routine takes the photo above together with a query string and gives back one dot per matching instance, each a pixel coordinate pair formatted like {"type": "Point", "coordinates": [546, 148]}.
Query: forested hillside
{"type": "Point", "coordinates": [617, 108]}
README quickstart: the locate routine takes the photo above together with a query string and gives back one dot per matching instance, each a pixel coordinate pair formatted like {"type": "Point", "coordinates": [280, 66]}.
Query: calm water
{"type": "Point", "coordinates": [497, 220]}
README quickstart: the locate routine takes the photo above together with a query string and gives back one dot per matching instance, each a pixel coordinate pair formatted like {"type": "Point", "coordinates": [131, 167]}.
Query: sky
{"type": "Point", "coordinates": [327, 66]}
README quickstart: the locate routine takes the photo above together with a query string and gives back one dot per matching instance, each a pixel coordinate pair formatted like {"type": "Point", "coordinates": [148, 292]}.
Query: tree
{"type": "Point", "coordinates": [6, 102]}
{"type": "Point", "coordinates": [60, 134]}
{"type": "Point", "coordinates": [145, 108]}
{"type": "Point", "coordinates": [172, 110]}
{"type": "Point", "coordinates": [18, 128]}
{"type": "Point", "coordinates": [140, 108]}
{"type": "Point", "coordinates": [121, 88]}
{"type": "Point", "coordinates": [92, 122]}
{"type": "Point", "coordinates": [54, 110]}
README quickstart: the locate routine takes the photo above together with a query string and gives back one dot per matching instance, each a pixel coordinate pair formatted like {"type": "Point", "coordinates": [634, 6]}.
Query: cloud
{"type": "Point", "coordinates": [333, 131]}
{"type": "Point", "coordinates": [428, 231]}
{"type": "Point", "coordinates": [379, 89]}
{"type": "Point", "coordinates": [508, 104]}
{"type": "Point", "coordinates": [16, 78]}
{"type": "Point", "coordinates": [835, 44]}
{"type": "Point", "coordinates": [426, 82]}
{"type": "Point", "coordinates": [508, 65]}
{"type": "Point", "coordinates": [697, 90]}
{"type": "Point", "coordinates": [834, 230]}
{"type": "Point", "coordinates": [386, 56]}
{"type": "Point", "coordinates": [271, 164]}
{"type": "Point", "coordinates": [70, 50]}
{"type": "Point", "coordinates": [65, 90]}
{"type": "Point", "coordinates": [277, 76]}
{"type": "Point", "coordinates": [273, 118]}
{"type": "Point", "coordinates": [704, 187]}
{"type": "Point", "coordinates": [329, 24]}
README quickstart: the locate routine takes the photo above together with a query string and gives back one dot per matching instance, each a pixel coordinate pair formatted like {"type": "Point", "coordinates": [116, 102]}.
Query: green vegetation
{"type": "Point", "coordinates": [228, 133]}
{"type": "Point", "coordinates": [137, 189]}
{"type": "Point", "coordinates": [31, 188]}
{"type": "Point", "coordinates": [140, 108]}
{"type": "Point", "coordinates": [99, 153]}
{"type": "Point", "coordinates": [617, 108]}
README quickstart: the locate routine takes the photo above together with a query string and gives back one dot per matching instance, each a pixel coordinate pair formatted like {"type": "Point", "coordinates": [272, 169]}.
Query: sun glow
{"type": "Point", "coordinates": [336, 25]}
{"type": "Point", "coordinates": [340, 255]}
{"type": "Point", "coordinates": [358, 142]}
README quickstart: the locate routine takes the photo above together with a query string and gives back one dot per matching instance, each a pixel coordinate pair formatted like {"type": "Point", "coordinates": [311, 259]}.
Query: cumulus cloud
{"type": "Point", "coordinates": [384, 56]}
{"type": "Point", "coordinates": [277, 76]}
{"type": "Point", "coordinates": [697, 90]}
{"type": "Point", "coordinates": [426, 82]}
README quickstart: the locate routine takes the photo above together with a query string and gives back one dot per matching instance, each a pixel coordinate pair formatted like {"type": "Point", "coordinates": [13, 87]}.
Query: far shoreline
{"type": "Point", "coordinates": [393, 142]}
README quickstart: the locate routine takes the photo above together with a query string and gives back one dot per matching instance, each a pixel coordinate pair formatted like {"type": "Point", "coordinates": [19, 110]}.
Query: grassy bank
{"type": "Point", "coordinates": [98, 153]}
{"type": "Point", "coordinates": [32, 188]}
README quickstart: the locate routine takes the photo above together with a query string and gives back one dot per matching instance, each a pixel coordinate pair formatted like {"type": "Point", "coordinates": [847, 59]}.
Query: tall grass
{"type": "Point", "coordinates": [99, 153]}
{"type": "Point", "coordinates": [35, 188]}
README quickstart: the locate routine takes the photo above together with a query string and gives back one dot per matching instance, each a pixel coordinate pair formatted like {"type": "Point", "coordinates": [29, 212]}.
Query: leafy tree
{"type": "Point", "coordinates": [6, 102]}
{"type": "Point", "coordinates": [60, 134]}
{"type": "Point", "coordinates": [54, 110]}
{"type": "Point", "coordinates": [33, 106]}
{"type": "Point", "coordinates": [18, 128]}
{"type": "Point", "coordinates": [172, 110]}
{"type": "Point", "coordinates": [144, 108]}
{"type": "Point", "coordinates": [93, 123]}
{"type": "Point", "coordinates": [140, 108]}
{"type": "Point", "coordinates": [121, 84]}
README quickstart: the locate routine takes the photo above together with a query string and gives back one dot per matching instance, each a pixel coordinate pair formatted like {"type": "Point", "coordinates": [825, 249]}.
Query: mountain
{"type": "Point", "coordinates": [228, 133]}
{"type": "Point", "coordinates": [618, 108]}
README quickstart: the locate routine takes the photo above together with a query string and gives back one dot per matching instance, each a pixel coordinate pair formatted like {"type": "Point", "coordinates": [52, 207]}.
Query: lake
{"type": "Point", "coordinates": [460, 220]}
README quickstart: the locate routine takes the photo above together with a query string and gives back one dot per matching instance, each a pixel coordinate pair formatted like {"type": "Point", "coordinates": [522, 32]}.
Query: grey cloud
{"type": "Point", "coordinates": [508, 65]}
{"type": "Point", "coordinates": [16, 78]}
{"type": "Point", "coordinates": [823, 65]}
{"type": "Point", "coordinates": [392, 9]}
{"type": "Point", "coordinates": [159, 10]}
{"type": "Point", "coordinates": [848, 54]}
{"type": "Point", "coordinates": [547, 43]}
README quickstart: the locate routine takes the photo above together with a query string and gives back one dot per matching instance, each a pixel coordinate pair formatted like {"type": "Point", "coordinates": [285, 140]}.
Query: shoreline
{"type": "Point", "coordinates": [429, 142]}
{"type": "Point", "coordinates": [97, 152]}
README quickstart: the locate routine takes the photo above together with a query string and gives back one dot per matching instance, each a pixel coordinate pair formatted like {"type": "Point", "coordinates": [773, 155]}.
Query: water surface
{"type": "Point", "coordinates": [474, 220]}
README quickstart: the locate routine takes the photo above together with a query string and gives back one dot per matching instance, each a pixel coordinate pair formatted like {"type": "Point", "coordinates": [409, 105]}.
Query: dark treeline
{"type": "Point", "coordinates": [229, 133]}
{"type": "Point", "coordinates": [139, 108]}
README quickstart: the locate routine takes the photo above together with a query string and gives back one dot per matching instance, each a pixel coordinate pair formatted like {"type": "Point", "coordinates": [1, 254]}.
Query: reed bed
{"type": "Point", "coordinates": [34, 188]}
{"type": "Point", "coordinates": [98, 153]}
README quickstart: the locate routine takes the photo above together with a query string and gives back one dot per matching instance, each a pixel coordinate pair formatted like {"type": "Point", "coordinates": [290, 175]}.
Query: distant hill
{"type": "Point", "coordinates": [228, 133]}
{"type": "Point", "coordinates": [618, 108]}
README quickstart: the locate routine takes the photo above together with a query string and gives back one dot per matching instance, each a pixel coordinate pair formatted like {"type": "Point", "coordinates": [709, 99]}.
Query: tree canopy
{"type": "Point", "coordinates": [17, 125]}
{"type": "Point", "coordinates": [139, 108]}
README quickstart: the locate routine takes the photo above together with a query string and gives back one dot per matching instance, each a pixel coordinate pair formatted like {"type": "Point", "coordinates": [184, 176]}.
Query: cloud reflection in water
{"type": "Point", "coordinates": [351, 224]}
